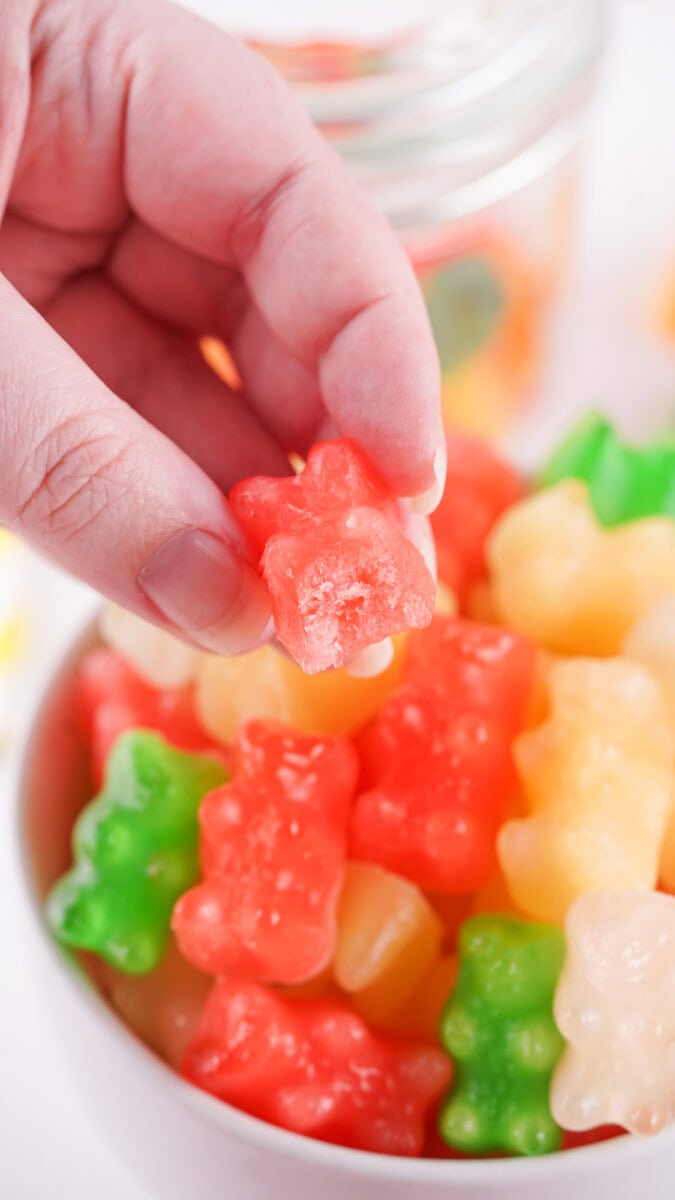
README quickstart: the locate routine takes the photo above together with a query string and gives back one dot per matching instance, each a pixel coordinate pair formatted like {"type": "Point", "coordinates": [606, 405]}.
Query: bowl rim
{"type": "Point", "coordinates": [480, 1172]}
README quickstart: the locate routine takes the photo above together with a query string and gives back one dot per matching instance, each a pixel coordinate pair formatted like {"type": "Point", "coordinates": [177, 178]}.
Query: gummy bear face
{"type": "Point", "coordinates": [511, 962]}
{"type": "Point", "coordinates": [615, 1004]}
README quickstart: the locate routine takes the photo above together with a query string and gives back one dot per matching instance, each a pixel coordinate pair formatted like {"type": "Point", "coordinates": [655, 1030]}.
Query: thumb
{"type": "Point", "coordinates": [95, 488]}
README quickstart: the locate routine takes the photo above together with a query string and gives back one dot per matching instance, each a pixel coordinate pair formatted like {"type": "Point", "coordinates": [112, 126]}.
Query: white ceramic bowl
{"type": "Point", "coordinates": [186, 1145]}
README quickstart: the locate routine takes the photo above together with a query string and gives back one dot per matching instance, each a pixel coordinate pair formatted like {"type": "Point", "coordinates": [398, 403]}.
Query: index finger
{"type": "Point", "coordinates": [218, 156]}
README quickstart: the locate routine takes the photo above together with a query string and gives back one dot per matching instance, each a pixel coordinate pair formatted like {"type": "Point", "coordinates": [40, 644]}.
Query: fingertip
{"type": "Point", "coordinates": [381, 385]}
{"type": "Point", "coordinates": [428, 501]}
{"type": "Point", "coordinates": [200, 584]}
{"type": "Point", "coordinates": [372, 661]}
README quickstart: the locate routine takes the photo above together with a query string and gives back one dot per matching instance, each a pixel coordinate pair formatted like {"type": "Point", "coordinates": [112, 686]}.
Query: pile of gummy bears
{"type": "Point", "coordinates": [431, 912]}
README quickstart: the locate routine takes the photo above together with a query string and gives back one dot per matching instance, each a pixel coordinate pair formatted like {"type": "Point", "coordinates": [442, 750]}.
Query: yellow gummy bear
{"type": "Point", "coordinates": [651, 641]}
{"type": "Point", "coordinates": [598, 781]}
{"type": "Point", "coordinates": [266, 684]}
{"type": "Point", "coordinates": [388, 935]}
{"type": "Point", "coordinates": [570, 583]}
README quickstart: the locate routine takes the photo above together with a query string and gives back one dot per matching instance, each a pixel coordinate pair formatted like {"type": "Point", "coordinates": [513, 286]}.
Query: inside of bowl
{"type": "Point", "coordinates": [57, 781]}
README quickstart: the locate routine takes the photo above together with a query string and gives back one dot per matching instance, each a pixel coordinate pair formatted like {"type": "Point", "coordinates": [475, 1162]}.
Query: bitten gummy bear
{"type": "Point", "coordinates": [615, 1005]}
{"type": "Point", "coordinates": [388, 936]}
{"type": "Point", "coordinates": [314, 1067]}
{"type": "Point", "coordinates": [567, 582]}
{"type": "Point", "coordinates": [498, 1028]}
{"type": "Point", "coordinates": [135, 851]}
{"type": "Point", "coordinates": [273, 851]}
{"type": "Point", "coordinates": [439, 756]}
{"type": "Point", "coordinates": [624, 482]}
{"type": "Point", "coordinates": [479, 487]}
{"type": "Point", "coordinates": [112, 699]}
{"type": "Point", "coordinates": [341, 573]}
{"type": "Point", "coordinates": [598, 776]}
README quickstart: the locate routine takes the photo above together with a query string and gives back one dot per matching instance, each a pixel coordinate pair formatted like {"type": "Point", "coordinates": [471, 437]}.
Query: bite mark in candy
{"type": "Point", "coordinates": [438, 756]}
{"type": "Point", "coordinates": [135, 851]}
{"type": "Point", "coordinates": [341, 573]}
{"type": "Point", "coordinates": [598, 778]}
{"type": "Point", "coordinates": [314, 1067]}
{"type": "Point", "coordinates": [273, 853]}
{"type": "Point", "coordinates": [615, 1005]}
{"type": "Point", "coordinates": [498, 1028]}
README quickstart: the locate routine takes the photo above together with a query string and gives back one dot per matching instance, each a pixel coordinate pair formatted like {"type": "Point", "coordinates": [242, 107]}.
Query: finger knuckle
{"type": "Point", "coordinates": [72, 476]}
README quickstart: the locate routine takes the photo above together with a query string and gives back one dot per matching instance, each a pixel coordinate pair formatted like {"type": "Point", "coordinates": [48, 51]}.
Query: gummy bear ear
{"type": "Point", "coordinates": [479, 940]}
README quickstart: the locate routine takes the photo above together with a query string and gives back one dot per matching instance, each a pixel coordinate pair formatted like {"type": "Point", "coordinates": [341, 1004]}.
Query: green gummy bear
{"type": "Point", "coordinates": [465, 302]}
{"type": "Point", "coordinates": [499, 1030]}
{"type": "Point", "coordinates": [624, 482]}
{"type": "Point", "coordinates": [135, 851]}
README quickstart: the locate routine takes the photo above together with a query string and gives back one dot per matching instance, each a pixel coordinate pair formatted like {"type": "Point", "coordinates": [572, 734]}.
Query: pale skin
{"type": "Point", "coordinates": [159, 183]}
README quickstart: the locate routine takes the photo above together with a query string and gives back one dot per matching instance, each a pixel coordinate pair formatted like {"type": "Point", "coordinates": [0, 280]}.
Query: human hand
{"type": "Point", "coordinates": [159, 183]}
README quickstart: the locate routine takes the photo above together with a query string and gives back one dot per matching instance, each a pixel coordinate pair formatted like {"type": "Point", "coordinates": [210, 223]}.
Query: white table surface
{"type": "Point", "coordinates": [601, 350]}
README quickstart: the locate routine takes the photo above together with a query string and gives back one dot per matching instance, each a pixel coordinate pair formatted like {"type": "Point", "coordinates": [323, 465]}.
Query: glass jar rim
{"type": "Point", "coordinates": [452, 114]}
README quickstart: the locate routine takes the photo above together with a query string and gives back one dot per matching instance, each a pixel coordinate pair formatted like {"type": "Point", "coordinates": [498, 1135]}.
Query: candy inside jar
{"type": "Point", "coordinates": [462, 121]}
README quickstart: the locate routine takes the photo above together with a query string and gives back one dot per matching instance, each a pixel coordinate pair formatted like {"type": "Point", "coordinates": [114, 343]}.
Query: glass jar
{"type": "Point", "coordinates": [461, 120]}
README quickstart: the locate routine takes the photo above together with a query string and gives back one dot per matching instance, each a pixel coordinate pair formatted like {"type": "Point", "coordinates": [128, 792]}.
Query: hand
{"type": "Point", "coordinates": [159, 183]}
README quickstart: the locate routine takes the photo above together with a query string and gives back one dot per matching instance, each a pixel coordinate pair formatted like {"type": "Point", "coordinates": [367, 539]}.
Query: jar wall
{"type": "Point", "coordinates": [489, 281]}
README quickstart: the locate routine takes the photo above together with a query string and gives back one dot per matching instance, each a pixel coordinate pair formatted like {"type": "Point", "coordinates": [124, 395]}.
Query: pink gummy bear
{"type": "Point", "coordinates": [615, 1005]}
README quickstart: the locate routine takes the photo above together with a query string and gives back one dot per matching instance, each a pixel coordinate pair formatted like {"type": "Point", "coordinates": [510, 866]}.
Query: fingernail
{"type": "Point", "coordinates": [200, 585]}
{"type": "Point", "coordinates": [371, 661]}
{"type": "Point", "coordinates": [427, 501]}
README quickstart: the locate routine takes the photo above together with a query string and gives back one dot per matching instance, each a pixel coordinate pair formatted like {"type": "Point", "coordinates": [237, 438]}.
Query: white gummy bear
{"type": "Point", "coordinates": [615, 1005]}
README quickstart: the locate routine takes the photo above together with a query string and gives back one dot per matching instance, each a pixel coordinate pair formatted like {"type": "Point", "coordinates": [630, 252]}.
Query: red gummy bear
{"type": "Point", "coordinates": [273, 850]}
{"type": "Point", "coordinates": [340, 571]}
{"type": "Point", "coordinates": [314, 1067]}
{"type": "Point", "coordinates": [438, 756]}
{"type": "Point", "coordinates": [478, 489]}
{"type": "Point", "coordinates": [112, 699]}
{"type": "Point", "coordinates": [577, 1139]}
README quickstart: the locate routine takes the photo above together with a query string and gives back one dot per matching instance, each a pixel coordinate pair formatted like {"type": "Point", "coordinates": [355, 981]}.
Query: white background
{"type": "Point", "coordinates": [601, 351]}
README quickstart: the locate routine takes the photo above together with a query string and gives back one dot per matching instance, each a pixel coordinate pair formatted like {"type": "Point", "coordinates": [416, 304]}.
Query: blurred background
{"type": "Point", "coordinates": [523, 150]}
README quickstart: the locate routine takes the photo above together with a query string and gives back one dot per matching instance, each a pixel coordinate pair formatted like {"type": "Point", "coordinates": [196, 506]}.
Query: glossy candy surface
{"type": "Point", "coordinates": [266, 684]}
{"type": "Point", "coordinates": [651, 641]}
{"type": "Point", "coordinates": [438, 756]}
{"type": "Point", "coordinates": [387, 938]}
{"type": "Point", "coordinates": [479, 487]}
{"type": "Point", "coordinates": [314, 1067]}
{"type": "Point", "coordinates": [571, 584]}
{"type": "Point", "coordinates": [624, 482]}
{"type": "Point", "coordinates": [615, 1005]}
{"type": "Point", "coordinates": [135, 852]}
{"type": "Point", "coordinates": [113, 699]}
{"type": "Point", "coordinates": [341, 573]}
{"type": "Point", "coordinates": [273, 852]}
{"type": "Point", "coordinates": [498, 1028]}
{"type": "Point", "coordinates": [598, 780]}
{"type": "Point", "coordinates": [164, 1007]}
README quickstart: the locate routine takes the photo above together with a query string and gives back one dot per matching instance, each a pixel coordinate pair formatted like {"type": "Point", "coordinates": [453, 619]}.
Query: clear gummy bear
{"type": "Point", "coordinates": [615, 1006]}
